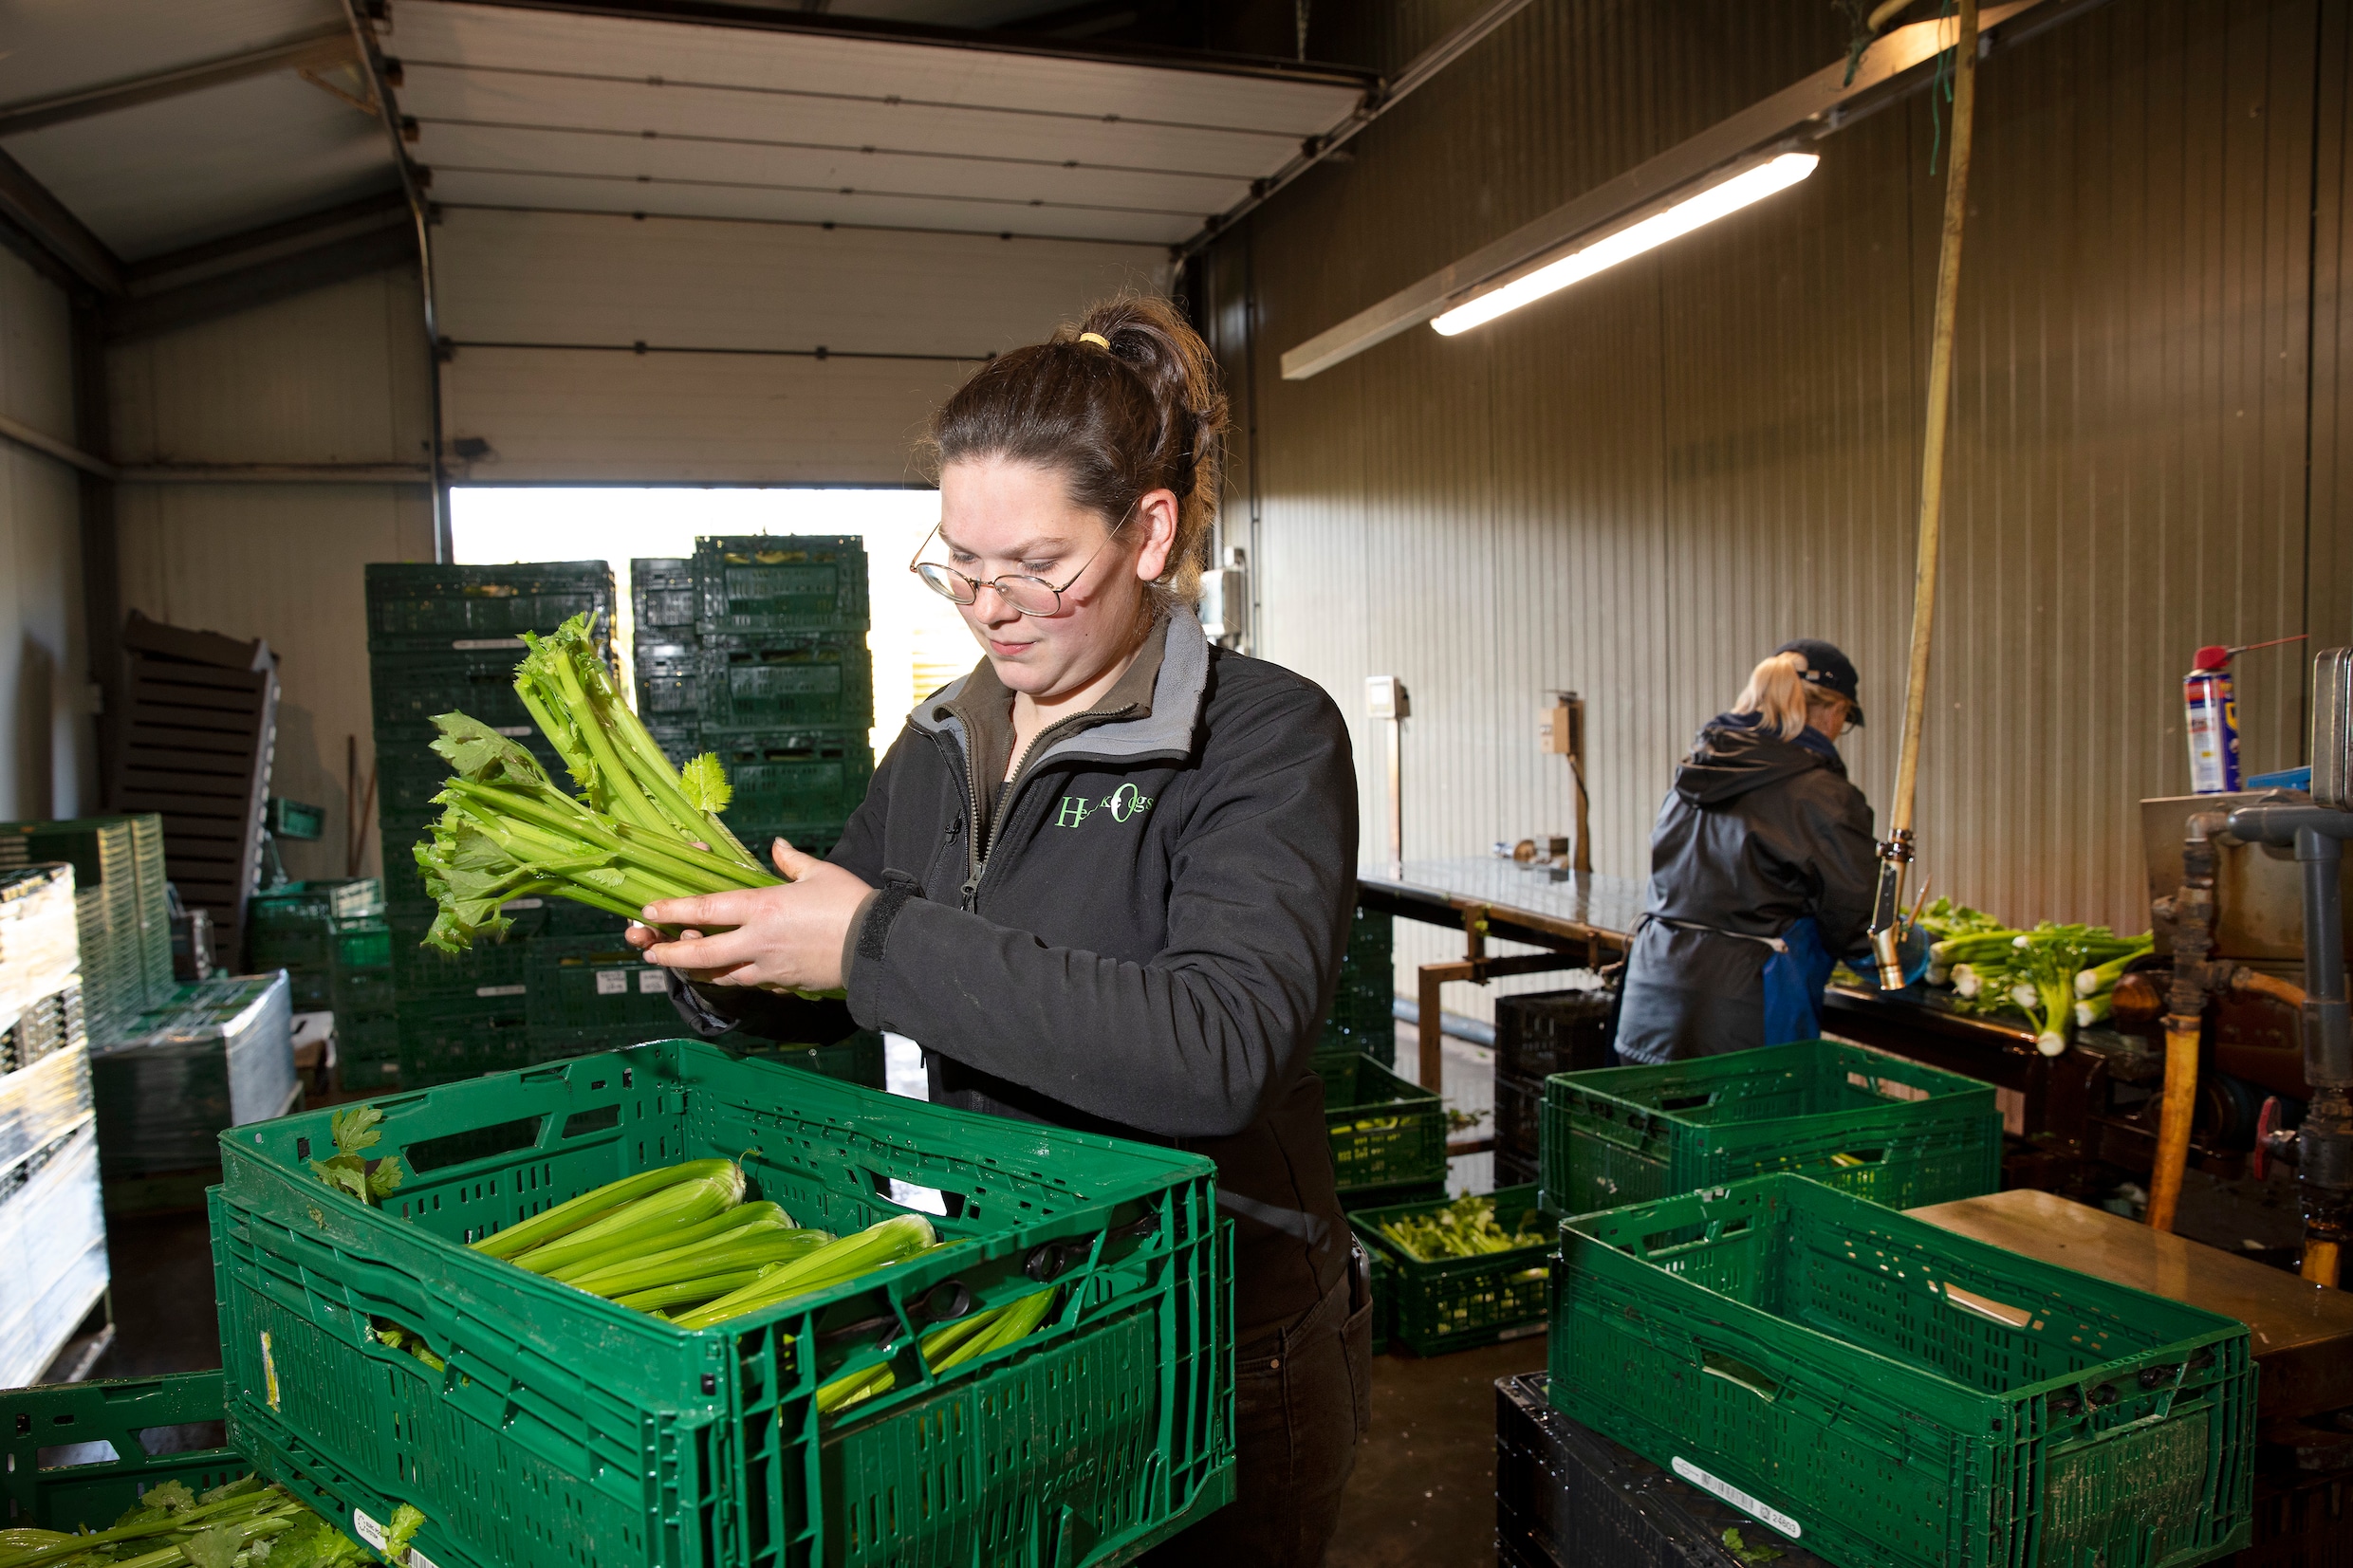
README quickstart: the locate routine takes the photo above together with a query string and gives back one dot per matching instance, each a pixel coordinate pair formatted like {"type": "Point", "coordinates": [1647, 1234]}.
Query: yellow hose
{"type": "Point", "coordinates": [2173, 1125]}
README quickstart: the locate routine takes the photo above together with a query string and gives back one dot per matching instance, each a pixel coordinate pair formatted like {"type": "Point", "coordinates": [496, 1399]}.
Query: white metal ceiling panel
{"type": "Point", "coordinates": [52, 48]}
{"type": "Point", "coordinates": [622, 193]}
{"type": "Point", "coordinates": [628, 114]}
{"type": "Point", "coordinates": [571, 278]}
{"type": "Point", "coordinates": [184, 170]}
{"type": "Point", "coordinates": [452, 34]}
{"type": "Point", "coordinates": [1066, 200]}
{"type": "Point", "coordinates": [431, 93]}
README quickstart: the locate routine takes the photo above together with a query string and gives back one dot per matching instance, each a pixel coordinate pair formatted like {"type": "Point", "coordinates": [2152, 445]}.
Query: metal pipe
{"type": "Point", "coordinates": [2324, 1142]}
{"type": "Point", "coordinates": [1895, 853]}
{"type": "Point", "coordinates": [2193, 928]}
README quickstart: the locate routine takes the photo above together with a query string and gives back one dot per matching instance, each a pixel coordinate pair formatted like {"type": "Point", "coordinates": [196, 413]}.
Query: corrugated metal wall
{"type": "Point", "coordinates": [48, 742]}
{"type": "Point", "coordinates": [334, 376]}
{"type": "Point", "coordinates": [1640, 487]}
{"type": "Point", "coordinates": [543, 310]}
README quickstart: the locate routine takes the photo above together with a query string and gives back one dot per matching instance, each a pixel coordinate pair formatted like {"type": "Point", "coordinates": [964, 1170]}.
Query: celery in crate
{"type": "Point", "coordinates": [639, 830]}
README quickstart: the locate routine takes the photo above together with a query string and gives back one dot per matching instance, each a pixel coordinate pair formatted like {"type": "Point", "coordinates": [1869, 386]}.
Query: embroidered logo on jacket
{"type": "Point", "coordinates": [1121, 803]}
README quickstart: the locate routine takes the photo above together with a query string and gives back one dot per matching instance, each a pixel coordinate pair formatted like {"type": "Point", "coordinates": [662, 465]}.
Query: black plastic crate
{"type": "Point", "coordinates": [661, 594]}
{"type": "Point", "coordinates": [797, 779]}
{"type": "Point", "coordinates": [668, 690]}
{"type": "Point", "coordinates": [421, 607]}
{"type": "Point", "coordinates": [785, 682]}
{"type": "Point", "coordinates": [1565, 1497]}
{"type": "Point", "coordinates": [779, 582]}
{"type": "Point", "coordinates": [1519, 1114]}
{"type": "Point", "coordinates": [1514, 1170]}
{"type": "Point", "coordinates": [1549, 1032]}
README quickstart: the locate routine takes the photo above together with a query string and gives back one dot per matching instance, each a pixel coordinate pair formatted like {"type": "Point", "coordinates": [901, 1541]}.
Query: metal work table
{"type": "Point", "coordinates": [1581, 921]}
{"type": "Point", "coordinates": [2302, 1335]}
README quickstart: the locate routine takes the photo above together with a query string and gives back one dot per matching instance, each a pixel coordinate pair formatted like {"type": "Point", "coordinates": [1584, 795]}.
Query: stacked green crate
{"type": "Point", "coordinates": [445, 639]}
{"type": "Point", "coordinates": [755, 650]}
{"type": "Point", "coordinates": [292, 928]}
{"type": "Point", "coordinates": [117, 908]}
{"type": "Point", "coordinates": [593, 993]}
{"type": "Point", "coordinates": [1363, 1015]}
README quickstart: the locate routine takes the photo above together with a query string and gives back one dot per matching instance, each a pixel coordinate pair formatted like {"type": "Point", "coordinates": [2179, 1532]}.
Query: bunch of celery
{"type": "Point", "coordinates": [1464, 1229]}
{"type": "Point", "coordinates": [2041, 973]}
{"type": "Point", "coordinates": [241, 1523]}
{"type": "Point", "coordinates": [966, 1339]}
{"type": "Point", "coordinates": [639, 830]}
{"type": "Point", "coordinates": [1954, 930]}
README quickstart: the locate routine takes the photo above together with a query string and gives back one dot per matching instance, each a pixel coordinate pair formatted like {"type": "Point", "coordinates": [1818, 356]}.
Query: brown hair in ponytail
{"type": "Point", "coordinates": [1116, 422]}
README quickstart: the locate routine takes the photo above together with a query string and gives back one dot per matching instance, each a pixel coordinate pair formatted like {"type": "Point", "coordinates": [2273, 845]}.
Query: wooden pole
{"type": "Point", "coordinates": [1898, 850]}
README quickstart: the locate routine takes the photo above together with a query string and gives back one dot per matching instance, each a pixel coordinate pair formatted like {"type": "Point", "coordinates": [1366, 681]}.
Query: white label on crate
{"type": "Point", "coordinates": [367, 1529]}
{"type": "Point", "coordinates": [418, 1559]}
{"type": "Point", "coordinates": [612, 981]}
{"type": "Point", "coordinates": [477, 645]}
{"type": "Point", "coordinates": [654, 981]}
{"type": "Point", "coordinates": [1737, 1498]}
{"type": "Point", "coordinates": [514, 732]}
{"type": "Point", "coordinates": [498, 991]}
{"type": "Point", "coordinates": [269, 1371]}
{"type": "Point", "coordinates": [512, 904]}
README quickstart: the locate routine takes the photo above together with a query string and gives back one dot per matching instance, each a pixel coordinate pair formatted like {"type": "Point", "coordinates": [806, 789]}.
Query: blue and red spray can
{"type": "Point", "coordinates": [2211, 707]}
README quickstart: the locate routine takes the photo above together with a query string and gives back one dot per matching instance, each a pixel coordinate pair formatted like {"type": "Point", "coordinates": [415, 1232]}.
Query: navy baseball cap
{"type": "Point", "coordinates": [1829, 669]}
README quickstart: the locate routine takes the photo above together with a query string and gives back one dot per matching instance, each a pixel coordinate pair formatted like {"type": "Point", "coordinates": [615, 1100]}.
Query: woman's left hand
{"type": "Point", "coordinates": [790, 935]}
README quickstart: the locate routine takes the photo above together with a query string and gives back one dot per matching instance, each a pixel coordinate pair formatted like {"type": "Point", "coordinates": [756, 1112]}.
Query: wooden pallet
{"type": "Point", "coordinates": [197, 742]}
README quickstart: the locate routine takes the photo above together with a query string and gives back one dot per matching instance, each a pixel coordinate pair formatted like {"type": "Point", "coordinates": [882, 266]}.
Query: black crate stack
{"type": "Point", "coordinates": [1536, 1036]}
{"type": "Point", "coordinates": [755, 650]}
{"type": "Point", "coordinates": [1363, 1020]}
{"type": "Point", "coordinates": [444, 639]}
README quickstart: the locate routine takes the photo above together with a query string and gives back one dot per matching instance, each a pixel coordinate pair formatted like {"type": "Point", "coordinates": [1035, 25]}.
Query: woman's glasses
{"type": "Point", "coordinates": [1030, 595]}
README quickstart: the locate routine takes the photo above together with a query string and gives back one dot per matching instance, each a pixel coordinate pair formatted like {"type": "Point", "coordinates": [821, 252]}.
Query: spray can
{"type": "Point", "coordinates": [2212, 711]}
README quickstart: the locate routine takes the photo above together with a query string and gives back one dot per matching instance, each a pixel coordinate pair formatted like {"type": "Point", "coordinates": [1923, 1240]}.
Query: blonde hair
{"type": "Point", "coordinates": [1777, 689]}
{"type": "Point", "coordinates": [1121, 402]}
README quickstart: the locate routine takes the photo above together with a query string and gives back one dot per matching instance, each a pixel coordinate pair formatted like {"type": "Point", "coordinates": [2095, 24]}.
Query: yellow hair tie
{"type": "Point", "coordinates": [1095, 337]}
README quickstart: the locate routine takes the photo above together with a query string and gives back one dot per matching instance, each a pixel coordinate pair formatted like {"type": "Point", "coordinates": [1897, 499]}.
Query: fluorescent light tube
{"type": "Point", "coordinates": [1693, 211]}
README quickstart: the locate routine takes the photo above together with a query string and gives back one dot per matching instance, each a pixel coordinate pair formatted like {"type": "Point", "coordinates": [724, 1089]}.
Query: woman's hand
{"type": "Point", "coordinates": [789, 936]}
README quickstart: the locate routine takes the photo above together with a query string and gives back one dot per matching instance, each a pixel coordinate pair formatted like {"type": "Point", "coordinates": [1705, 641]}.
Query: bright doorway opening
{"type": "Point", "coordinates": [919, 641]}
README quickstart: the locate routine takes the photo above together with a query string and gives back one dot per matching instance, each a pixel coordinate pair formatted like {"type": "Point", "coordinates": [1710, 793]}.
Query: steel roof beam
{"type": "Point", "coordinates": [320, 49]}
{"type": "Point", "coordinates": [275, 277]}
{"type": "Point", "coordinates": [27, 205]}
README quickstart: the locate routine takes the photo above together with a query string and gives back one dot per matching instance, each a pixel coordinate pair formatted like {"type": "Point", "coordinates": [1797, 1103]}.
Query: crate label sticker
{"type": "Point", "coordinates": [482, 645]}
{"type": "Point", "coordinates": [514, 732]}
{"type": "Point", "coordinates": [513, 904]}
{"type": "Point", "coordinates": [1737, 1498]}
{"type": "Point", "coordinates": [270, 1372]}
{"type": "Point", "coordinates": [612, 981]}
{"type": "Point", "coordinates": [418, 1559]}
{"type": "Point", "coordinates": [653, 980]}
{"type": "Point", "coordinates": [367, 1529]}
{"type": "Point", "coordinates": [498, 991]}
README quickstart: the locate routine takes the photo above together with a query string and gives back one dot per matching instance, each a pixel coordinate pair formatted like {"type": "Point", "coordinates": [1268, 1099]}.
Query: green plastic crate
{"type": "Point", "coordinates": [810, 777]}
{"type": "Point", "coordinates": [421, 607]}
{"type": "Point", "coordinates": [493, 972]}
{"type": "Point", "coordinates": [669, 688]}
{"type": "Point", "coordinates": [1875, 1125]}
{"type": "Point", "coordinates": [312, 906]}
{"type": "Point", "coordinates": [449, 1040]}
{"type": "Point", "coordinates": [597, 984]}
{"type": "Point", "coordinates": [776, 582]}
{"type": "Point", "coordinates": [1436, 1305]}
{"type": "Point", "coordinates": [812, 680]}
{"type": "Point", "coordinates": [857, 1060]}
{"type": "Point", "coordinates": [1885, 1392]}
{"type": "Point", "coordinates": [1385, 1132]}
{"type": "Point", "coordinates": [568, 1429]}
{"type": "Point", "coordinates": [56, 1478]}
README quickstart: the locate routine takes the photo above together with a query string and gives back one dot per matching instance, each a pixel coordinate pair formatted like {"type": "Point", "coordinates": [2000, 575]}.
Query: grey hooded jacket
{"type": "Point", "coordinates": [1147, 947]}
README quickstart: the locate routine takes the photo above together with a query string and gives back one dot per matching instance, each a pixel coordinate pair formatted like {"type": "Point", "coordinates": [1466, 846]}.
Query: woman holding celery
{"type": "Point", "coordinates": [1106, 878]}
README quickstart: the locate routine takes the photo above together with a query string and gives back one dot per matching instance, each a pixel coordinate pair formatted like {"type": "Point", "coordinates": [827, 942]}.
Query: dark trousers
{"type": "Point", "coordinates": [1303, 1397]}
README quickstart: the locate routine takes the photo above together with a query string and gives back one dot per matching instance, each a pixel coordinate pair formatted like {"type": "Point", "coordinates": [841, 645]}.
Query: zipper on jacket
{"type": "Point", "coordinates": [977, 864]}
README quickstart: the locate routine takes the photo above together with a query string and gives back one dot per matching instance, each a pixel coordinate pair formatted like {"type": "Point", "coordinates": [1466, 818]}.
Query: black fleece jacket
{"type": "Point", "coordinates": [1146, 951]}
{"type": "Point", "coordinates": [1757, 833]}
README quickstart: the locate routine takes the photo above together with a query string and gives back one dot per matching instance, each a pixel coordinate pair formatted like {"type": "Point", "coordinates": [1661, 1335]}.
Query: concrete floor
{"type": "Point", "coordinates": [1425, 1487]}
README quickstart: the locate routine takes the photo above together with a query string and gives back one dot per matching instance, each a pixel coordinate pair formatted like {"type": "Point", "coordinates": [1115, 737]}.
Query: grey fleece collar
{"type": "Point", "coordinates": [1177, 695]}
